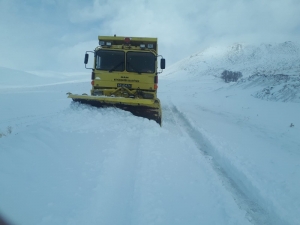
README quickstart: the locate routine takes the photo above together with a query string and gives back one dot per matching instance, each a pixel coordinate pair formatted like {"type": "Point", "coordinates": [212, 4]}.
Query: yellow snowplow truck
{"type": "Point", "coordinates": [125, 75]}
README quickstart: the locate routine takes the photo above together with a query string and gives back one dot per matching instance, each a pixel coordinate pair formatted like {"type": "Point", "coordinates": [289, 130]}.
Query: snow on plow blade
{"type": "Point", "coordinates": [146, 108]}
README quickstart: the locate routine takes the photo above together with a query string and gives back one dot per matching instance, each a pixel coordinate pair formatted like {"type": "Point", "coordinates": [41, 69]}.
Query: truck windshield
{"type": "Point", "coordinates": [140, 62]}
{"type": "Point", "coordinates": [110, 60]}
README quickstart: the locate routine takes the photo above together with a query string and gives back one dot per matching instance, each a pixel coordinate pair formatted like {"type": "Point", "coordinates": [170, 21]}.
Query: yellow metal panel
{"type": "Point", "coordinates": [143, 81]}
{"type": "Point", "coordinates": [114, 100]}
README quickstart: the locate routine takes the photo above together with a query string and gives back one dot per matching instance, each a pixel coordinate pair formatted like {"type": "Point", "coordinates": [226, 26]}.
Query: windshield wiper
{"type": "Point", "coordinates": [116, 66]}
{"type": "Point", "coordinates": [133, 69]}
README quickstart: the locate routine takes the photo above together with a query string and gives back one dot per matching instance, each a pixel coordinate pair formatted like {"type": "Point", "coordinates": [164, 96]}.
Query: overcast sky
{"type": "Point", "coordinates": [54, 34]}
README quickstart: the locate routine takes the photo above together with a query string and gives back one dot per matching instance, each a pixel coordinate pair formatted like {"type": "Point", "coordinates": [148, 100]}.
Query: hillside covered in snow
{"type": "Point", "coordinates": [11, 78]}
{"type": "Point", "coordinates": [271, 70]}
{"type": "Point", "coordinates": [227, 153]}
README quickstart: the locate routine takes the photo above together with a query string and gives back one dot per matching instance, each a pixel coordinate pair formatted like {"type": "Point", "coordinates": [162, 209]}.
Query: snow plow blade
{"type": "Point", "coordinates": [146, 108]}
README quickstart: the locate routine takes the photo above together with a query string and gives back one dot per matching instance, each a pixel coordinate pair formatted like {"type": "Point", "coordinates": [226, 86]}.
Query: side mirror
{"type": "Point", "coordinates": [86, 58]}
{"type": "Point", "coordinates": [162, 64]}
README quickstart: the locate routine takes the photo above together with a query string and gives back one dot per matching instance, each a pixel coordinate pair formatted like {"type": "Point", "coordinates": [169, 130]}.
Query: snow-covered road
{"type": "Point", "coordinates": [217, 159]}
{"type": "Point", "coordinates": [72, 164]}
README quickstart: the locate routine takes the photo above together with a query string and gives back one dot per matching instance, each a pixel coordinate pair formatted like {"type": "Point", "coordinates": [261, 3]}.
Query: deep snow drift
{"type": "Point", "coordinates": [224, 154]}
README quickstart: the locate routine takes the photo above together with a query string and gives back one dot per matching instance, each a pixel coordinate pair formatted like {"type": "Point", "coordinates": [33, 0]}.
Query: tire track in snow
{"type": "Point", "coordinates": [244, 194]}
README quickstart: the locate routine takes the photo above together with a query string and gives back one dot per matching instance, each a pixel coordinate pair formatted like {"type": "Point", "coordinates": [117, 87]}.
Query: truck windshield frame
{"type": "Point", "coordinates": [140, 62]}
{"type": "Point", "coordinates": [110, 60]}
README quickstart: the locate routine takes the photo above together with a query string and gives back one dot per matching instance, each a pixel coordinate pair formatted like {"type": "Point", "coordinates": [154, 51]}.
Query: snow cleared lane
{"type": "Point", "coordinates": [232, 178]}
{"type": "Point", "coordinates": [250, 139]}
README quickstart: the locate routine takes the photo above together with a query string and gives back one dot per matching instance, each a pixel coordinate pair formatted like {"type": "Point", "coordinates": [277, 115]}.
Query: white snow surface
{"type": "Point", "coordinates": [224, 155]}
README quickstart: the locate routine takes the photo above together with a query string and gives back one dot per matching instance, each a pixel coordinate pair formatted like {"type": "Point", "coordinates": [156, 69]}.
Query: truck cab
{"type": "Point", "coordinates": [125, 62]}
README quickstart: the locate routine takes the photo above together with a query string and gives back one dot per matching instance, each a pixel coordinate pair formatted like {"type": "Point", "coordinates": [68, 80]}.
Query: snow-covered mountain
{"type": "Point", "coordinates": [17, 78]}
{"type": "Point", "coordinates": [274, 69]}
{"type": "Point", "coordinates": [249, 59]}
{"type": "Point", "coordinates": [223, 155]}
